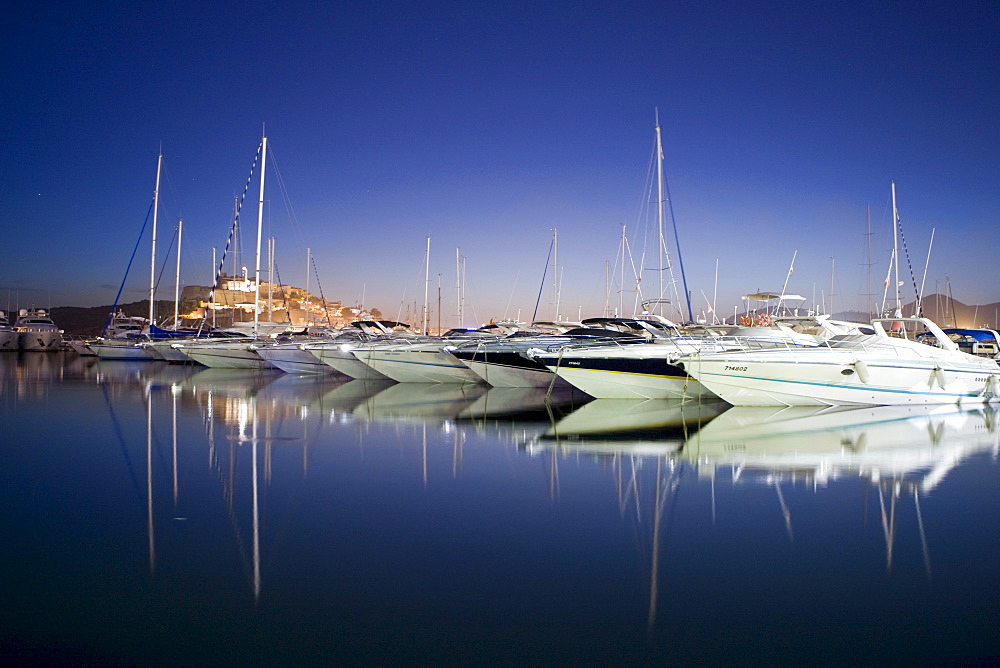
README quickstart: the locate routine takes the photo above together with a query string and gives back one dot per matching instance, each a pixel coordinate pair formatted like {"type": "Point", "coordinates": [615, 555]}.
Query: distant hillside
{"type": "Point", "coordinates": [946, 312]}
{"type": "Point", "coordinates": [84, 321]}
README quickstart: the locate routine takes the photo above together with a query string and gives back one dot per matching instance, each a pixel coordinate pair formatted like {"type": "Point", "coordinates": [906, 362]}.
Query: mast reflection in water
{"type": "Point", "coordinates": [161, 514]}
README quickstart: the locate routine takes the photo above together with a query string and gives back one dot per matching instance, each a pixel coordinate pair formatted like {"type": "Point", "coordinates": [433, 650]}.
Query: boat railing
{"type": "Point", "coordinates": [862, 343]}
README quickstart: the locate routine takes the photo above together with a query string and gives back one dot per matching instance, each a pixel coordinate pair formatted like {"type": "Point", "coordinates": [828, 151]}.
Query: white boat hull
{"type": "Point", "coordinates": [295, 359]}
{"type": "Point", "coordinates": [499, 375]}
{"type": "Point", "coordinates": [841, 378]}
{"type": "Point", "coordinates": [48, 341]}
{"type": "Point", "coordinates": [602, 384]}
{"type": "Point", "coordinates": [344, 361]}
{"type": "Point", "coordinates": [409, 365]}
{"type": "Point", "coordinates": [168, 350]}
{"type": "Point", "coordinates": [8, 340]}
{"type": "Point", "coordinates": [225, 356]}
{"type": "Point", "coordinates": [111, 350]}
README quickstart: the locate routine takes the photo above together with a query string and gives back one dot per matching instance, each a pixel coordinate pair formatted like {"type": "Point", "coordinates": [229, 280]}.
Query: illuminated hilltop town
{"type": "Point", "coordinates": [233, 302]}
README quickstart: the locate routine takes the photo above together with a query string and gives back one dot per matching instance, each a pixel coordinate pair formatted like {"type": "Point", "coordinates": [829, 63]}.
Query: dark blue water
{"type": "Point", "coordinates": [164, 515]}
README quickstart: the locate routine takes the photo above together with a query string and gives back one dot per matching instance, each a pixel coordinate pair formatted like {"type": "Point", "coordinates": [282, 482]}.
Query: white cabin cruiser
{"type": "Point", "coordinates": [851, 370]}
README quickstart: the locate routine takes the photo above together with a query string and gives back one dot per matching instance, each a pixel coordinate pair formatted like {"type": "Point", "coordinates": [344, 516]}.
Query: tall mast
{"type": "Point", "coordinates": [868, 258]}
{"type": "Point", "coordinates": [458, 287]}
{"type": "Point", "coordinates": [659, 207]}
{"type": "Point", "coordinates": [621, 291]}
{"type": "Point", "coordinates": [260, 225]}
{"type": "Point", "coordinates": [555, 268]}
{"type": "Point", "coordinates": [152, 252]}
{"type": "Point", "coordinates": [215, 284]}
{"type": "Point", "coordinates": [270, 281]}
{"type": "Point", "coordinates": [895, 248]}
{"type": "Point", "coordinates": [308, 300]}
{"type": "Point", "coordinates": [427, 282]}
{"type": "Point", "coordinates": [177, 276]}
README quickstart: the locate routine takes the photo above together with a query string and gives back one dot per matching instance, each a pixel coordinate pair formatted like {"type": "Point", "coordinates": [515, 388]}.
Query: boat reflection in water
{"type": "Point", "coordinates": [898, 453]}
{"type": "Point", "coordinates": [313, 519]}
{"type": "Point", "coordinates": [822, 445]}
{"type": "Point", "coordinates": [635, 426]}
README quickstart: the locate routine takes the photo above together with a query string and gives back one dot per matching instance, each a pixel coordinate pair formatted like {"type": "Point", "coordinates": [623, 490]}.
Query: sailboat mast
{"type": "Point", "coordinates": [659, 207]}
{"type": "Point", "coordinates": [260, 226]}
{"type": "Point", "coordinates": [152, 252]}
{"type": "Point", "coordinates": [427, 283]}
{"type": "Point", "coordinates": [308, 266]}
{"type": "Point", "coordinates": [458, 287]}
{"type": "Point", "coordinates": [177, 274]}
{"type": "Point", "coordinates": [895, 248]}
{"type": "Point", "coordinates": [270, 282]}
{"type": "Point", "coordinates": [555, 269]}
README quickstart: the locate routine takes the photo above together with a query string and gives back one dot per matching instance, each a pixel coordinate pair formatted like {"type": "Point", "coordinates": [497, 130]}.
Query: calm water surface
{"type": "Point", "coordinates": [169, 515]}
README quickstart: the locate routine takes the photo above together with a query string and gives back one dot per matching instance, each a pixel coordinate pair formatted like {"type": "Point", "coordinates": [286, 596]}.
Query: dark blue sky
{"type": "Point", "coordinates": [487, 125]}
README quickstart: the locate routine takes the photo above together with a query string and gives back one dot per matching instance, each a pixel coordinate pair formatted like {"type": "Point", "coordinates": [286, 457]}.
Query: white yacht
{"type": "Point", "coordinates": [853, 369]}
{"type": "Point", "coordinates": [649, 369]}
{"type": "Point", "coordinates": [36, 331]}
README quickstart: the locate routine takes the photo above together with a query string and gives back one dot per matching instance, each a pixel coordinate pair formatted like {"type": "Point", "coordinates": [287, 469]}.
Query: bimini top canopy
{"type": "Point", "coordinates": [768, 296]}
{"type": "Point", "coordinates": [977, 334]}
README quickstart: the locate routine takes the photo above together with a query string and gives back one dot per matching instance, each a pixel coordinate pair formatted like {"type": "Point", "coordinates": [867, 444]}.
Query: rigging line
{"type": "Point", "coordinates": [173, 191]}
{"type": "Point", "coordinates": [909, 265]}
{"type": "Point", "coordinates": [166, 256]}
{"type": "Point", "coordinates": [326, 307]}
{"type": "Point", "coordinates": [511, 297]}
{"type": "Point", "coordinates": [677, 243]}
{"type": "Point", "coordinates": [234, 226]}
{"type": "Point", "coordinates": [534, 314]}
{"type": "Point", "coordinates": [284, 300]}
{"type": "Point", "coordinates": [121, 442]}
{"type": "Point", "coordinates": [286, 200]}
{"type": "Point", "coordinates": [114, 307]}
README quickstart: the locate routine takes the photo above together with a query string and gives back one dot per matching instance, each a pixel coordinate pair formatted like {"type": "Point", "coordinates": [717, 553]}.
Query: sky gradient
{"type": "Point", "coordinates": [485, 126]}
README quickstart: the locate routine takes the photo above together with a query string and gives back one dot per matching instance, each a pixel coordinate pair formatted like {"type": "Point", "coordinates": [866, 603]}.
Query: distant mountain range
{"type": "Point", "coordinates": [945, 311]}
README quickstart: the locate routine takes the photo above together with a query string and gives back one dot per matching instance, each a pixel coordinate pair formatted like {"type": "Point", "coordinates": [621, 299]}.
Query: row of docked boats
{"type": "Point", "coordinates": [789, 360]}
{"type": "Point", "coordinates": [33, 331]}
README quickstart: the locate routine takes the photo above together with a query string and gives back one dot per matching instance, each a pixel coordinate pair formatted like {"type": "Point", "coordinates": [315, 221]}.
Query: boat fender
{"type": "Point", "coordinates": [937, 374]}
{"type": "Point", "coordinates": [990, 391]}
{"type": "Point", "coordinates": [862, 370]}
